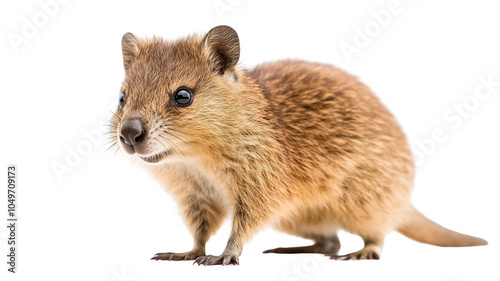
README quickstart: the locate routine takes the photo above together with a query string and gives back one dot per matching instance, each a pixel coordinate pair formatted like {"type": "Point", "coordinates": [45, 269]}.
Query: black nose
{"type": "Point", "coordinates": [132, 132]}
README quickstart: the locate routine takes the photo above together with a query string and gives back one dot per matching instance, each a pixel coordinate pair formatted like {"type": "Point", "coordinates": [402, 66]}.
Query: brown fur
{"type": "Point", "coordinates": [301, 146]}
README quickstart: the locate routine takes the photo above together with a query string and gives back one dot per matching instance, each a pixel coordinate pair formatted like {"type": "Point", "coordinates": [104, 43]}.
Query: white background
{"type": "Point", "coordinates": [106, 218]}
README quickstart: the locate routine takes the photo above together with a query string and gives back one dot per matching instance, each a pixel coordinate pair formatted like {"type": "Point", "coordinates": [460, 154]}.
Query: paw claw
{"type": "Point", "coordinates": [341, 258]}
{"type": "Point", "coordinates": [359, 255]}
{"type": "Point", "coordinates": [169, 256]}
{"type": "Point", "coordinates": [217, 260]}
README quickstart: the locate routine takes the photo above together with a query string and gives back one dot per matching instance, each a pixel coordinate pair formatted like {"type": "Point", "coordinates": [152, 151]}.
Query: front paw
{"type": "Point", "coordinates": [224, 259]}
{"type": "Point", "coordinates": [187, 256]}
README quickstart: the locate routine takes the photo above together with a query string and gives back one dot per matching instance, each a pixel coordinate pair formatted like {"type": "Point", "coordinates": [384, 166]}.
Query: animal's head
{"type": "Point", "coordinates": [176, 94]}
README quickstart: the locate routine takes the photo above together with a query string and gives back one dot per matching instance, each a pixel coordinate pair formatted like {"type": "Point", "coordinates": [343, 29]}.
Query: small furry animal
{"type": "Point", "coordinates": [301, 146]}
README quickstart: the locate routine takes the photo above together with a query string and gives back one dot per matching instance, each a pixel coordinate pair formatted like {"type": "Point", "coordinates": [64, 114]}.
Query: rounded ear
{"type": "Point", "coordinates": [223, 46]}
{"type": "Point", "coordinates": [130, 49]}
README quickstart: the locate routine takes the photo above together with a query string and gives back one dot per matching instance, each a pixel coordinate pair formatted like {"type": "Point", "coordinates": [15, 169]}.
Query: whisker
{"type": "Point", "coordinates": [111, 143]}
{"type": "Point", "coordinates": [171, 142]}
{"type": "Point", "coordinates": [170, 130]}
{"type": "Point", "coordinates": [173, 135]}
{"type": "Point", "coordinates": [113, 148]}
{"type": "Point", "coordinates": [179, 138]}
{"type": "Point", "coordinates": [119, 118]}
{"type": "Point", "coordinates": [109, 148]}
{"type": "Point", "coordinates": [116, 150]}
{"type": "Point", "coordinates": [179, 131]}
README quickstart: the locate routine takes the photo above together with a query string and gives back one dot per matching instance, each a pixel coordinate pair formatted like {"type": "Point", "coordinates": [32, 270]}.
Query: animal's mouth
{"type": "Point", "coordinates": [156, 158]}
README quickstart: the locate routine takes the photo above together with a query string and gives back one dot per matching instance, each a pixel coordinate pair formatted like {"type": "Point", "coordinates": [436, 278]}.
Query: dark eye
{"type": "Point", "coordinates": [121, 100]}
{"type": "Point", "coordinates": [183, 97]}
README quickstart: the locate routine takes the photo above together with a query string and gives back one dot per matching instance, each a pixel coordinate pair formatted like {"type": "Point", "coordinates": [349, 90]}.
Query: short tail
{"type": "Point", "coordinates": [422, 229]}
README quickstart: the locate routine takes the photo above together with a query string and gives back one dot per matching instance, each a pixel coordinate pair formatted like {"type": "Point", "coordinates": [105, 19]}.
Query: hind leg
{"type": "Point", "coordinates": [371, 251]}
{"type": "Point", "coordinates": [327, 245]}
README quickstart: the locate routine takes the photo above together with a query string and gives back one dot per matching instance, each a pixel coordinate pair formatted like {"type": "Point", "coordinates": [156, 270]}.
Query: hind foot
{"type": "Point", "coordinates": [296, 250]}
{"type": "Point", "coordinates": [327, 246]}
{"type": "Point", "coordinates": [369, 252]}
